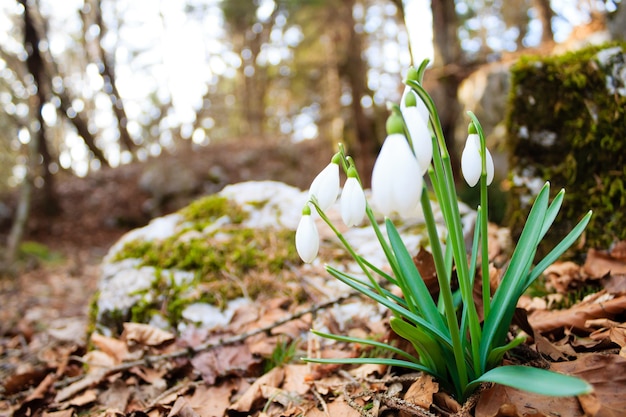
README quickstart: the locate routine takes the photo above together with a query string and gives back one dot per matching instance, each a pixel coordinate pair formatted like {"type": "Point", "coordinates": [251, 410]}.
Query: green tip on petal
{"type": "Point", "coordinates": [471, 129]}
{"type": "Point", "coordinates": [395, 124]}
{"type": "Point", "coordinates": [413, 74]}
{"type": "Point", "coordinates": [352, 173]}
{"type": "Point", "coordinates": [410, 100]}
{"type": "Point", "coordinates": [306, 210]}
{"type": "Point", "coordinates": [336, 159]}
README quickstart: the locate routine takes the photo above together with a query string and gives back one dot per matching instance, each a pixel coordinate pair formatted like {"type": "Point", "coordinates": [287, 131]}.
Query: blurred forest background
{"type": "Point", "coordinates": [93, 85]}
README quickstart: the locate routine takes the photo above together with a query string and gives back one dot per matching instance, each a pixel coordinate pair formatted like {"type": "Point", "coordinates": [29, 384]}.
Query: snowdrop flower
{"type": "Point", "coordinates": [325, 187]}
{"type": "Point", "coordinates": [307, 238]}
{"type": "Point", "coordinates": [397, 178]}
{"type": "Point", "coordinates": [420, 136]}
{"type": "Point", "coordinates": [471, 164]}
{"type": "Point", "coordinates": [352, 200]}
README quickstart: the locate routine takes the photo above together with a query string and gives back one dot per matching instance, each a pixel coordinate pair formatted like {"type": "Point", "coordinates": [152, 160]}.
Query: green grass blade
{"type": "Point", "coordinates": [384, 292]}
{"type": "Point", "coordinates": [539, 381]}
{"type": "Point", "coordinates": [552, 212]}
{"type": "Point", "coordinates": [428, 349]}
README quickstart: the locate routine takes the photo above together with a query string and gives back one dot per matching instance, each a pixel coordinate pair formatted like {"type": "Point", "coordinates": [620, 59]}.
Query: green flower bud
{"type": "Point", "coordinates": [395, 124]}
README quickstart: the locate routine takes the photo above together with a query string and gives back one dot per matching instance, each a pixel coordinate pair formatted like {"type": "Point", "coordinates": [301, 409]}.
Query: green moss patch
{"type": "Point", "coordinates": [567, 124]}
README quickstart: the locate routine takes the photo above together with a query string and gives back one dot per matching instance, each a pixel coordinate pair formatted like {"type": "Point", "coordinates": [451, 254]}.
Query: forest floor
{"type": "Point", "coordinates": [146, 372]}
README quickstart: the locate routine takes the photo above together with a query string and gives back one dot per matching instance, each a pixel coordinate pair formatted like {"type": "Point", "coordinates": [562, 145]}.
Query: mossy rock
{"type": "Point", "coordinates": [228, 246]}
{"type": "Point", "coordinates": [567, 125]}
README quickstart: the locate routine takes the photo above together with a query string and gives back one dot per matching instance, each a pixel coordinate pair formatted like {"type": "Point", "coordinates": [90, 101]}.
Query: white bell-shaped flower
{"type": "Point", "coordinates": [420, 136]}
{"type": "Point", "coordinates": [325, 186]}
{"type": "Point", "coordinates": [307, 237]}
{"type": "Point", "coordinates": [471, 165]}
{"type": "Point", "coordinates": [396, 178]}
{"type": "Point", "coordinates": [352, 201]}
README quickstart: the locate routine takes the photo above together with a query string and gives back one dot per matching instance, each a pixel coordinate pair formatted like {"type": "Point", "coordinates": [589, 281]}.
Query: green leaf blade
{"type": "Point", "coordinates": [536, 380]}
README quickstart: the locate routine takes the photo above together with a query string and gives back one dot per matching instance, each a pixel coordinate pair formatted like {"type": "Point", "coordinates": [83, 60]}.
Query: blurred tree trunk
{"type": "Point", "coordinates": [354, 71]}
{"type": "Point", "coordinates": [36, 67]}
{"type": "Point", "coordinates": [48, 72]}
{"type": "Point", "coordinates": [545, 14]}
{"type": "Point", "coordinates": [92, 15]}
{"type": "Point", "coordinates": [449, 69]}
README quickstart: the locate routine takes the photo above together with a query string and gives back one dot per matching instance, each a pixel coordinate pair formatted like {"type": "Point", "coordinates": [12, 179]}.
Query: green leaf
{"type": "Point", "coordinates": [427, 348]}
{"type": "Point", "coordinates": [539, 381]}
{"type": "Point", "coordinates": [558, 249]}
{"type": "Point", "coordinates": [513, 282]}
{"type": "Point", "coordinates": [369, 342]}
{"type": "Point", "coordinates": [375, 361]}
{"type": "Point", "coordinates": [441, 335]}
{"type": "Point", "coordinates": [412, 278]}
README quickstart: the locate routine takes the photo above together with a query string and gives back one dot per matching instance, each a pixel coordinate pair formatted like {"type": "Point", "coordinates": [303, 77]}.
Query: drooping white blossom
{"type": "Point", "coordinates": [307, 237]}
{"type": "Point", "coordinates": [420, 136]}
{"type": "Point", "coordinates": [325, 186]}
{"type": "Point", "coordinates": [471, 164]}
{"type": "Point", "coordinates": [396, 178]}
{"type": "Point", "coordinates": [352, 202]}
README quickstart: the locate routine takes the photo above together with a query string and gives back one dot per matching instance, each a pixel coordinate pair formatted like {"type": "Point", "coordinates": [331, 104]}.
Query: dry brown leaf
{"type": "Point", "coordinates": [339, 407]}
{"type": "Point", "coordinates": [421, 392]}
{"type": "Point", "coordinates": [295, 379]}
{"type": "Point", "coordinates": [367, 370]}
{"type": "Point", "coordinates": [144, 334]}
{"type": "Point", "coordinates": [62, 413]}
{"type": "Point", "coordinates": [181, 408]}
{"type": "Point", "coordinates": [223, 361]}
{"type": "Point", "coordinates": [213, 401]}
{"type": "Point", "coordinates": [599, 264]}
{"type": "Point", "coordinates": [112, 347]}
{"type": "Point", "coordinates": [501, 401]}
{"type": "Point", "coordinates": [115, 396]}
{"type": "Point", "coordinates": [600, 305]}
{"type": "Point", "coordinates": [273, 378]}
{"type": "Point", "coordinates": [563, 275]}
{"type": "Point", "coordinates": [93, 377]}
{"type": "Point", "coordinates": [85, 398]}
{"type": "Point", "coordinates": [24, 380]}
{"type": "Point", "coordinates": [607, 374]}
{"type": "Point", "coordinates": [618, 251]}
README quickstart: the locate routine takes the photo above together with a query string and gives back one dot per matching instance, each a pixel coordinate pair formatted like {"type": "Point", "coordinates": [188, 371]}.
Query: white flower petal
{"type": "Point", "coordinates": [420, 136]}
{"type": "Point", "coordinates": [307, 239]}
{"type": "Point", "coordinates": [470, 160]}
{"type": "Point", "coordinates": [396, 179]}
{"type": "Point", "coordinates": [490, 167]}
{"type": "Point", "coordinates": [325, 186]}
{"type": "Point", "coordinates": [352, 203]}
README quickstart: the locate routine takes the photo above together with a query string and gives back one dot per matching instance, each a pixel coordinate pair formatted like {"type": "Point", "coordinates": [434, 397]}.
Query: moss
{"type": "Point", "coordinates": [210, 208]}
{"type": "Point", "coordinates": [564, 125]}
{"type": "Point", "coordinates": [227, 264]}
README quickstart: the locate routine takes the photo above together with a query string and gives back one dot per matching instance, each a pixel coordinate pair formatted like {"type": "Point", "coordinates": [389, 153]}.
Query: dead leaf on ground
{"type": "Point", "coordinates": [338, 407]}
{"type": "Point", "coordinates": [144, 334]}
{"type": "Point", "coordinates": [599, 264]}
{"type": "Point", "coordinates": [115, 348]}
{"type": "Point", "coordinates": [607, 374]}
{"type": "Point", "coordinates": [223, 361]}
{"type": "Point", "coordinates": [213, 401]}
{"type": "Point", "coordinates": [181, 408]}
{"type": "Point", "coordinates": [254, 393]}
{"type": "Point", "coordinates": [421, 392]}
{"type": "Point", "coordinates": [295, 379]}
{"type": "Point", "coordinates": [599, 305]}
{"type": "Point", "coordinates": [501, 401]}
